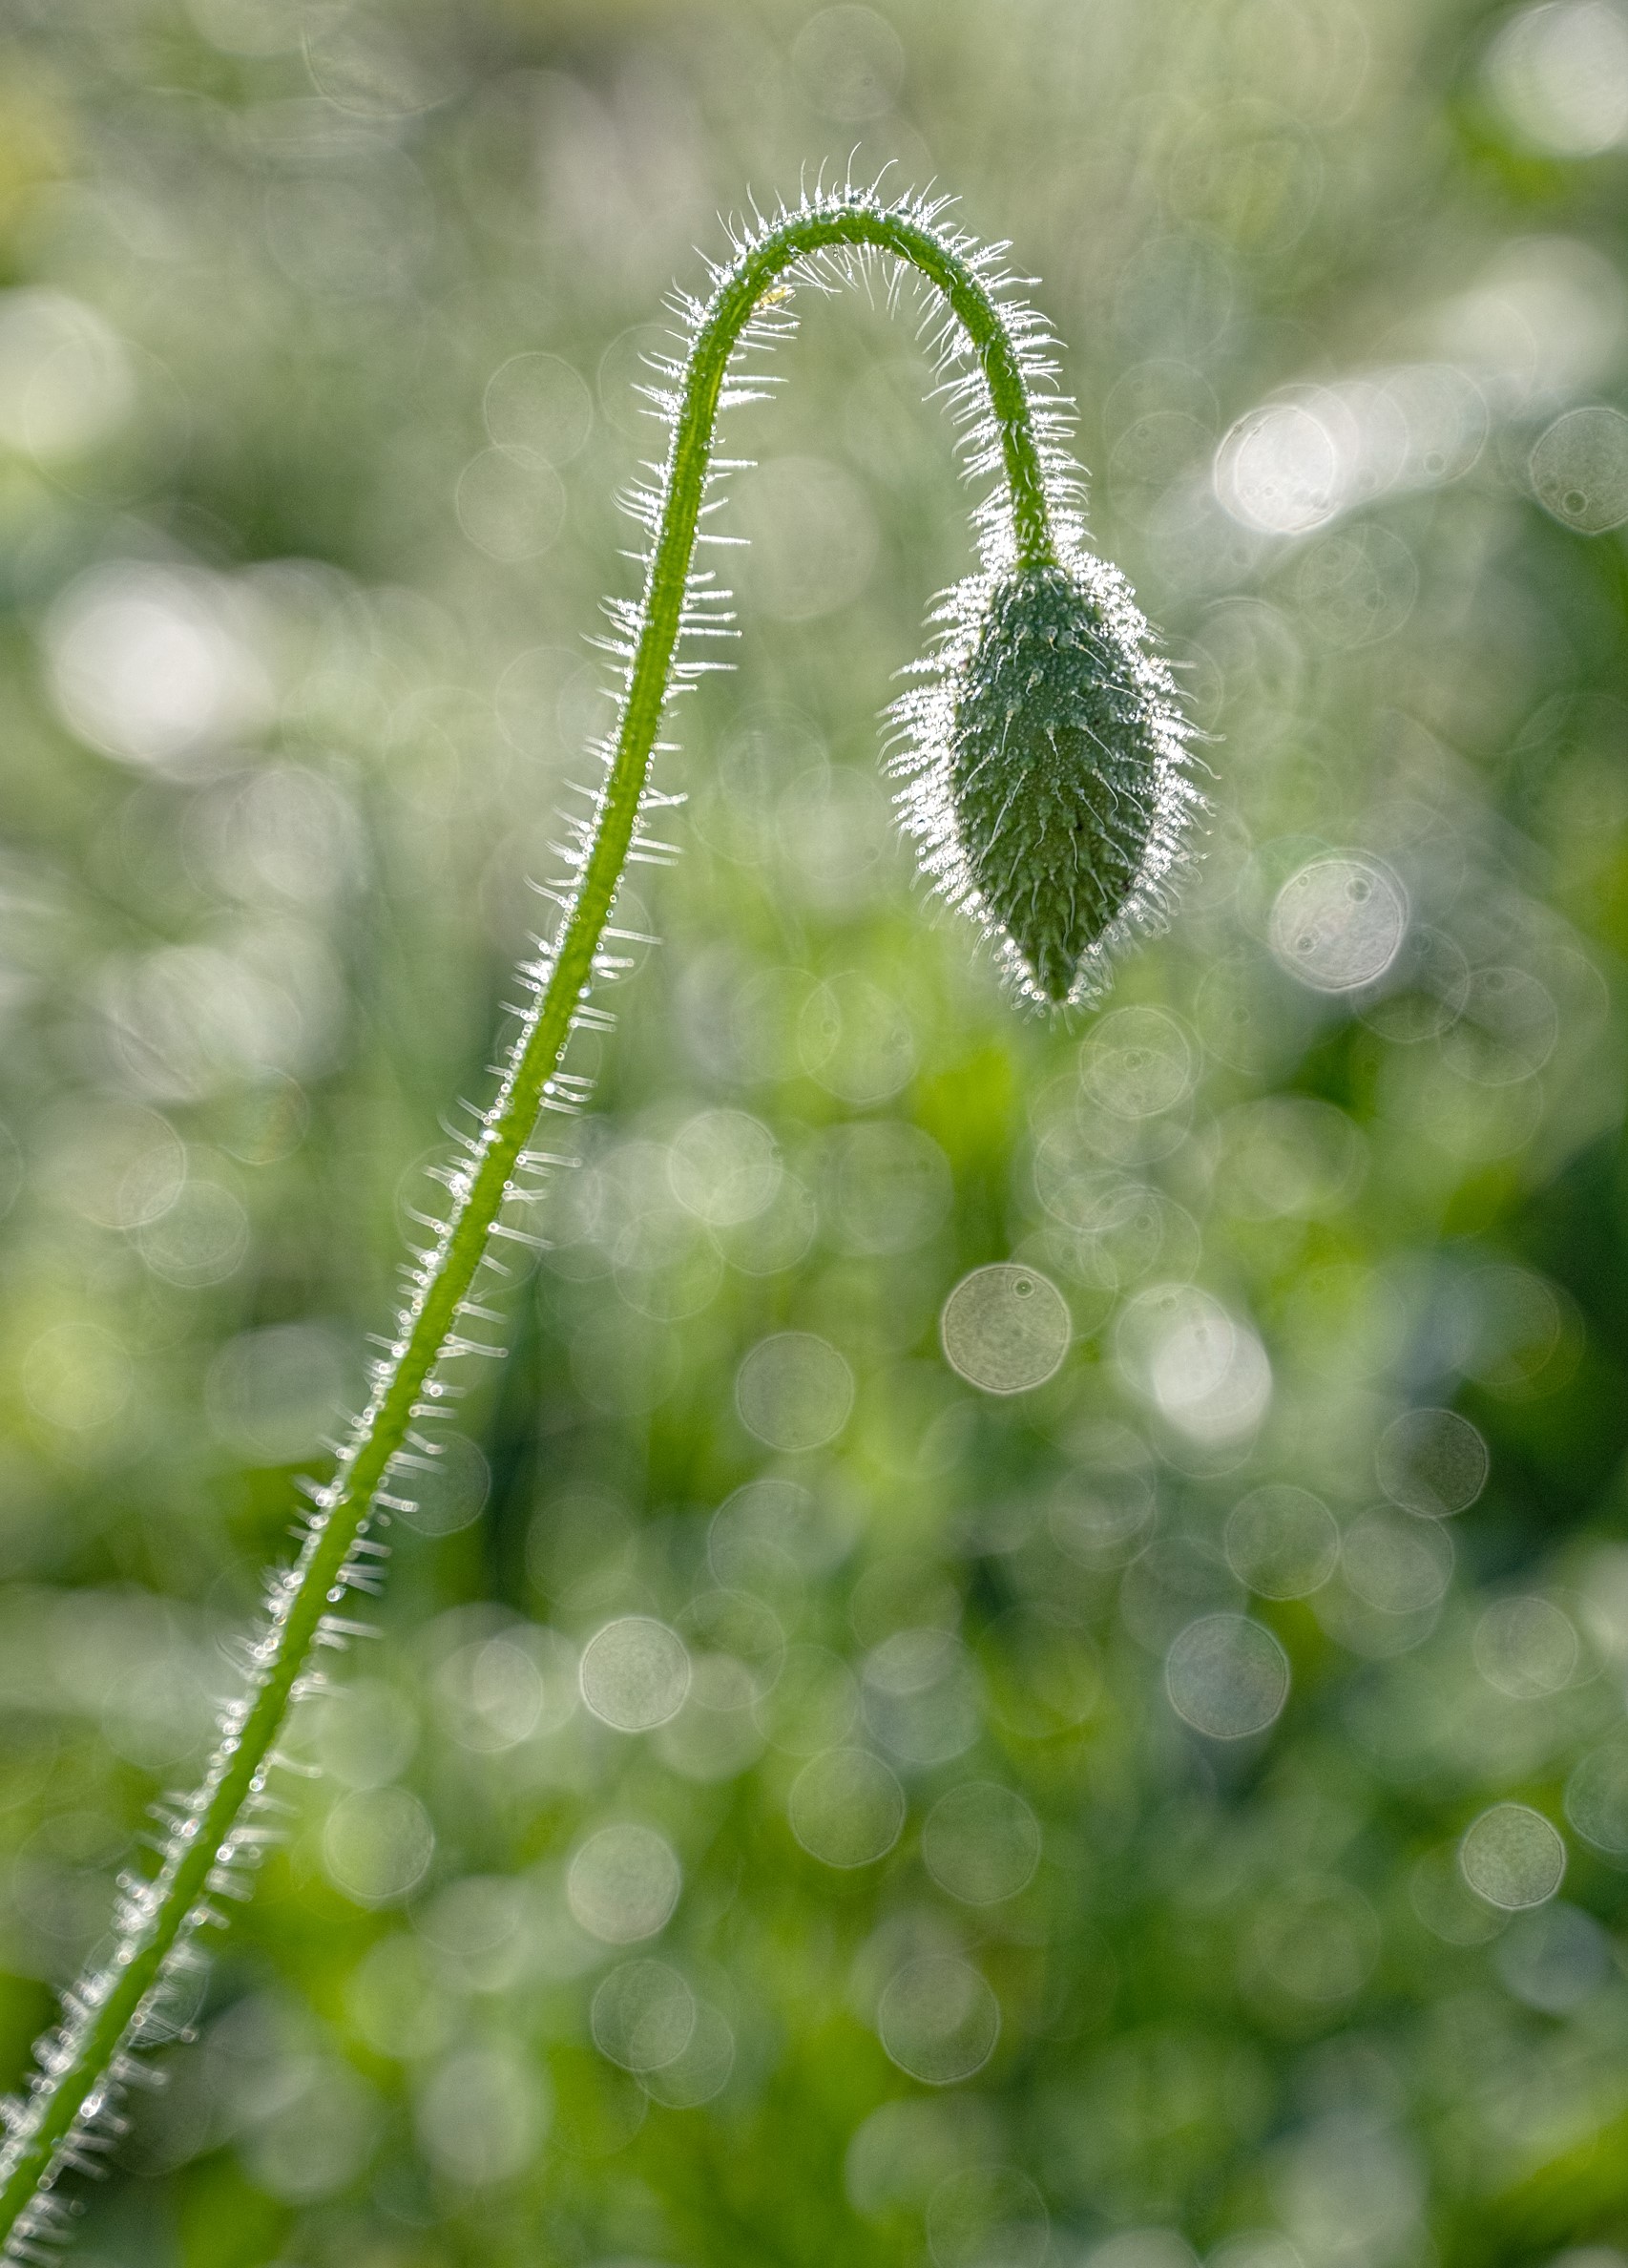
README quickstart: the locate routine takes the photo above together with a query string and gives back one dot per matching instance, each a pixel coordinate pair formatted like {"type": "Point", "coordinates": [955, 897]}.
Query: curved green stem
{"type": "Point", "coordinates": [85, 2063]}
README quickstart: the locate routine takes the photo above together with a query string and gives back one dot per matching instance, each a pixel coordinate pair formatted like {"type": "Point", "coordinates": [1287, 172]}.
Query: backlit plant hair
{"type": "Point", "coordinates": [1042, 762]}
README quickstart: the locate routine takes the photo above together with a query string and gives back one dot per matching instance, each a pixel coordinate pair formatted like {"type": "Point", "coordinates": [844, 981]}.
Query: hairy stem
{"type": "Point", "coordinates": [85, 2064]}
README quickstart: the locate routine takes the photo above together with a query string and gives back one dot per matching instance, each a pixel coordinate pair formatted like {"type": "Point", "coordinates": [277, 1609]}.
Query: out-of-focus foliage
{"type": "Point", "coordinates": [863, 1759]}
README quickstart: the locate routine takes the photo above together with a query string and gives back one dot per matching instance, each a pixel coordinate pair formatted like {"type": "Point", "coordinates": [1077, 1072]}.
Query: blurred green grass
{"type": "Point", "coordinates": [298, 562]}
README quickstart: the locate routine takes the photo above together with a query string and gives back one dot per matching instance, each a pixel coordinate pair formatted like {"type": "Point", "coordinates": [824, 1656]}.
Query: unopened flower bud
{"type": "Point", "coordinates": [1046, 769]}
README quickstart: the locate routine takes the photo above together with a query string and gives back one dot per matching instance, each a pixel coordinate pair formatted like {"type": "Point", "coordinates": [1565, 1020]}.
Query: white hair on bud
{"type": "Point", "coordinates": [1060, 822]}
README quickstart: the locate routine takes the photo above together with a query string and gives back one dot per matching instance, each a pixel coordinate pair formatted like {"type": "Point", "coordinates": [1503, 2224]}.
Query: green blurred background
{"type": "Point", "coordinates": [971, 1909]}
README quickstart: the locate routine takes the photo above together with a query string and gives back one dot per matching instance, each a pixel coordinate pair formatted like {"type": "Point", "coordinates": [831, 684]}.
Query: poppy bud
{"type": "Point", "coordinates": [1046, 762]}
